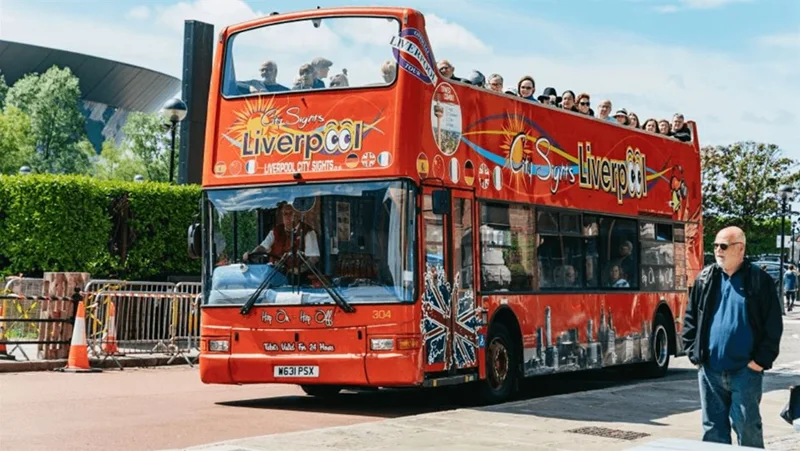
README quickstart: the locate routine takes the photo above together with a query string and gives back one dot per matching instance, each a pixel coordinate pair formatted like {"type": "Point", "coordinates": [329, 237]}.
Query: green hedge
{"type": "Point", "coordinates": [107, 228]}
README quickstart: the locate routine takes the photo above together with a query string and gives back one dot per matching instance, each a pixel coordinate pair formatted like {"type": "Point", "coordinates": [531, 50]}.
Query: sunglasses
{"type": "Point", "coordinates": [725, 246]}
{"type": "Point", "coordinates": [584, 103]}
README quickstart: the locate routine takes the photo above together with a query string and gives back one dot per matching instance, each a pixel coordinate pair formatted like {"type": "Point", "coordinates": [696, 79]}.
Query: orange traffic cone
{"type": "Point", "coordinates": [4, 355]}
{"type": "Point", "coordinates": [78, 361]}
{"type": "Point", "coordinates": [110, 337]}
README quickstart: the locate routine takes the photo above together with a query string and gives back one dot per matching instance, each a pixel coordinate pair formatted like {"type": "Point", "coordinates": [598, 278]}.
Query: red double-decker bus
{"type": "Point", "coordinates": [384, 226]}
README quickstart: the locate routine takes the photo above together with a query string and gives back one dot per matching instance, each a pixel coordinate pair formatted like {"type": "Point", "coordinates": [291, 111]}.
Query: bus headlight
{"type": "Point", "coordinates": [381, 344]}
{"type": "Point", "coordinates": [219, 345]}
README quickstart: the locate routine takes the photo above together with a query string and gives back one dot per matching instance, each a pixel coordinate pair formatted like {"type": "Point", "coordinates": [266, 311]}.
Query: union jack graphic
{"type": "Point", "coordinates": [436, 314]}
{"type": "Point", "coordinates": [465, 328]}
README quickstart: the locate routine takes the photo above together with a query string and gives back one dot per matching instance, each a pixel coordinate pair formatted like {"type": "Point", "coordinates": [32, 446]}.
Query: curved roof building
{"type": "Point", "coordinates": [111, 90]}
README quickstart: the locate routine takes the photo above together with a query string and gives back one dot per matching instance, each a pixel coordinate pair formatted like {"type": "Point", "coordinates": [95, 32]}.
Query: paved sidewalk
{"type": "Point", "coordinates": [625, 416]}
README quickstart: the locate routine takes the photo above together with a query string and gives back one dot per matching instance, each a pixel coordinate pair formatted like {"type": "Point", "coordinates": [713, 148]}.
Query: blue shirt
{"type": "Point", "coordinates": [790, 281]}
{"type": "Point", "coordinates": [730, 338]}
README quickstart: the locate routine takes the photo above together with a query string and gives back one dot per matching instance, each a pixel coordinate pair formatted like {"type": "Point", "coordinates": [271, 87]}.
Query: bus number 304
{"type": "Point", "coordinates": [381, 314]}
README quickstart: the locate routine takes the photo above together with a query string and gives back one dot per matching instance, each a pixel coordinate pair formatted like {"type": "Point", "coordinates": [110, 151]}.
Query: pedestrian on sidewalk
{"type": "Point", "coordinates": [731, 332]}
{"type": "Point", "coordinates": [790, 287]}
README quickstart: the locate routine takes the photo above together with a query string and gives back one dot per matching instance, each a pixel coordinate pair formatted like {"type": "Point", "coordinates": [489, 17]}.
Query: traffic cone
{"type": "Point", "coordinates": [110, 337]}
{"type": "Point", "coordinates": [78, 361]}
{"type": "Point", "coordinates": [4, 355]}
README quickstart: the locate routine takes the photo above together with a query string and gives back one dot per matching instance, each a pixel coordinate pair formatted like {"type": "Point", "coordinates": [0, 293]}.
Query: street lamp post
{"type": "Point", "coordinates": [784, 192]}
{"type": "Point", "coordinates": [173, 111]}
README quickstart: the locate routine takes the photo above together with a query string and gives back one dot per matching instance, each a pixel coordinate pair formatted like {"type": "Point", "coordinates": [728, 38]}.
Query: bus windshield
{"type": "Point", "coordinates": [336, 52]}
{"type": "Point", "coordinates": [354, 238]}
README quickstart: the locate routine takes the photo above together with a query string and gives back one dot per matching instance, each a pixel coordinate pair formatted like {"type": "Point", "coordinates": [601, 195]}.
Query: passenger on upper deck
{"type": "Point", "coordinates": [663, 127]}
{"type": "Point", "coordinates": [269, 72]}
{"type": "Point", "coordinates": [680, 130]}
{"type": "Point", "coordinates": [305, 79]}
{"type": "Point", "coordinates": [605, 111]}
{"type": "Point", "coordinates": [550, 96]}
{"type": "Point", "coordinates": [496, 82]}
{"type": "Point", "coordinates": [447, 70]}
{"type": "Point", "coordinates": [526, 87]}
{"type": "Point", "coordinates": [633, 120]}
{"type": "Point", "coordinates": [651, 125]}
{"type": "Point", "coordinates": [568, 101]}
{"type": "Point", "coordinates": [621, 116]}
{"type": "Point", "coordinates": [340, 80]}
{"type": "Point", "coordinates": [584, 104]}
{"type": "Point", "coordinates": [389, 71]}
{"type": "Point", "coordinates": [321, 67]}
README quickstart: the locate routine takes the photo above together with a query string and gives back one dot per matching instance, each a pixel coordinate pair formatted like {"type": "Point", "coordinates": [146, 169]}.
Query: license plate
{"type": "Point", "coordinates": [296, 371]}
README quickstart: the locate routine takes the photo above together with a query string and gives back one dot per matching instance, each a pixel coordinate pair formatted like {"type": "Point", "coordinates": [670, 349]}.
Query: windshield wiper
{"type": "Point", "coordinates": [263, 285]}
{"type": "Point", "coordinates": [328, 286]}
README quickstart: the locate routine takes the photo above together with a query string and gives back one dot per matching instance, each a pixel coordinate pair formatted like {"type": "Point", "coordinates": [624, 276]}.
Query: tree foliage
{"type": "Point", "coordinates": [740, 183]}
{"type": "Point", "coordinates": [148, 139]}
{"type": "Point", "coordinates": [52, 101]}
{"type": "Point", "coordinates": [16, 142]}
{"type": "Point", "coordinates": [117, 163]}
{"type": "Point", "coordinates": [3, 90]}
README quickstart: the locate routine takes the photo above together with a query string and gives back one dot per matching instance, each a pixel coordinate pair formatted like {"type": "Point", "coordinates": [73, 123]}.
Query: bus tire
{"type": "Point", "coordinates": [659, 347]}
{"type": "Point", "coordinates": [321, 391]}
{"type": "Point", "coordinates": [501, 366]}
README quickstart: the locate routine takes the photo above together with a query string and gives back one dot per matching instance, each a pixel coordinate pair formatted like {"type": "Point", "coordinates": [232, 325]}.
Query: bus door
{"type": "Point", "coordinates": [449, 320]}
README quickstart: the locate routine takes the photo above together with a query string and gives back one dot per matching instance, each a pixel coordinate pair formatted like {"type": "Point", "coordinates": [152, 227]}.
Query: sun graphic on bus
{"type": "Point", "coordinates": [254, 119]}
{"type": "Point", "coordinates": [518, 147]}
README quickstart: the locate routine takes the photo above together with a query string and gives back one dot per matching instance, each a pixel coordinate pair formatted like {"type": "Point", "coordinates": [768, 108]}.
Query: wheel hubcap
{"type": "Point", "coordinates": [661, 345]}
{"type": "Point", "coordinates": [498, 364]}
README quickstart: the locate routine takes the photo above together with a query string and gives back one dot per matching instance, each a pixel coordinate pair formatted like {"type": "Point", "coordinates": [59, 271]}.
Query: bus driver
{"type": "Point", "coordinates": [279, 240]}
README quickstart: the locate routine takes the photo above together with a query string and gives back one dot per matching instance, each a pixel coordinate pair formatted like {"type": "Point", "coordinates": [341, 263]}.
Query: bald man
{"type": "Point", "coordinates": [732, 332]}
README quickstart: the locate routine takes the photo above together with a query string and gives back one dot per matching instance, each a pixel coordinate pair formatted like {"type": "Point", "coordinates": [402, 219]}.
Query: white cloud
{"type": "Point", "coordinates": [790, 40]}
{"type": "Point", "coordinates": [445, 35]}
{"type": "Point", "coordinates": [666, 9]}
{"type": "Point", "coordinates": [709, 4]}
{"type": "Point", "coordinates": [695, 4]}
{"type": "Point", "coordinates": [220, 13]}
{"type": "Point", "coordinates": [139, 13]}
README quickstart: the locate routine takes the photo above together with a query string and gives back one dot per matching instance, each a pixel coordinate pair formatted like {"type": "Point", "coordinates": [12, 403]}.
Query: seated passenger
{"type": "Point", "coordinates": [496, 82]}
{"type": "Point", "coordinates": [321, 68]}
{"type": "Point", "coordinates": [476, 78]}
{"type": "Point", "coordinates": [389, 71]}
{"type": "Point", "coordinates": [680, 130]}
{"type": "Point", "coordinates": [447, 70]}
{"type": "Point", "coordinates": [584, 104]}
{"type": "Point", "coordinates": [663, 128]}
{"type": "Point", "coordinates": [269, 73]}
{"type": "Point", "coordinates": [305, 79]}
{"type": "Point", "coordinates": [526, 87]}
{"type": "Point", "coordinates": [615, 278]}
{"type": "Point", "coordinates": [568, 101]}
{"type": "Point", "coordinates": [651, 125]}
{"type": "Point", "coordinates": [340, 80]}
{"type": "Point", "coordinates": [549, 97]}
{"type": "Point", "coordinates": [279, 240]}
{"type": "Point", "coordinates": [633, 120]}
{"type": "Point", "coordinates": [604, 112]}
{"type": "Point", "coordinates": [621, 116]}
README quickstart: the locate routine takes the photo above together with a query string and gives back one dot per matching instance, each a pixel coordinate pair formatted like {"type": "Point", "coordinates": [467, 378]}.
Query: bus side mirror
{"type": "Point", "coordinates": [441, 201]}
{"type": "Point", "coordinates": [195, 241]}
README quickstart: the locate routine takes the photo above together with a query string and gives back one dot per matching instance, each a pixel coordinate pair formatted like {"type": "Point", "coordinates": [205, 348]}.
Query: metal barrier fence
{"type": "Point", "coordinates": [122, 317]}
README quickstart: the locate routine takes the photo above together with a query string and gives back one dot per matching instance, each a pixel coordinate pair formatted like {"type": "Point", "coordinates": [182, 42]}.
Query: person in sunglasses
{"type": "Point", "coordinates": [732, 331]}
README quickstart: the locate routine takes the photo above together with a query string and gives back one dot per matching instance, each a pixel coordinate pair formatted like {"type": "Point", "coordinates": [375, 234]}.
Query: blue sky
{"type": "Point", "coordinates": [731, 65]}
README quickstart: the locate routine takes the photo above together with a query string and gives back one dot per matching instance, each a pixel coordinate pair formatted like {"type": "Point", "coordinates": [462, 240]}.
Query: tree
{"type": "Point", "coordinates": [148, 138]}
{"type": "Point", "coordinates": [117, 163]}
{"type": "Point", "coordinates": [3, 90]}
{"type": "Point", "coordinates": [52, 101]}
{"type": "Point", "coordinates": [16, 142]}
{"type": "Point", "coordinates": [741, 180]}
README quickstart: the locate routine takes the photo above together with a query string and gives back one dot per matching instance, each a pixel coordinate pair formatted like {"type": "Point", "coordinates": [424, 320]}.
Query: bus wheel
{"type": "Point", "coordinates": [321, 391]}
{"type": "Point", "coordinates": [501, 366]}
{"type": "Point", "coordinates": [659, 346]}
